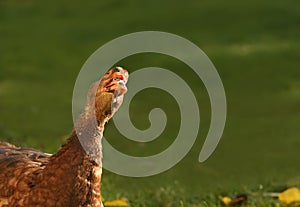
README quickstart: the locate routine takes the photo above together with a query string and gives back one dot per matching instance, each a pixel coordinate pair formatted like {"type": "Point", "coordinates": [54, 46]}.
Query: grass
{"type": "Point", "coordinates": [254, 45]}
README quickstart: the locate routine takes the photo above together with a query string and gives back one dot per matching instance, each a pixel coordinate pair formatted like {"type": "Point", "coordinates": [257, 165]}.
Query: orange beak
{"type": "Point", "coordinates": [115, 78]}
{"type": "Point", "coordinates": [118, 75]}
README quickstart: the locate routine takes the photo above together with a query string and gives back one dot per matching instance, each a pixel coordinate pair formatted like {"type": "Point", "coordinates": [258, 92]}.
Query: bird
{"type": "Point", "coordinates": [71, 177]}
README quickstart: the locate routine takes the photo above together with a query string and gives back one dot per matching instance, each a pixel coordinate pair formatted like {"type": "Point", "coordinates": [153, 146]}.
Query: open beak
{"type": "Point", "coordinates": [118, 76]}
{"type": "Point", "coordinates": [117, 84]}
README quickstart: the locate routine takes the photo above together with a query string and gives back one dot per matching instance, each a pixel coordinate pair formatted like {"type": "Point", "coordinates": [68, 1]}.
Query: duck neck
{"type": "Point", "coordinates": [86, 138]}
{"type": "Point", "coordinates": [81, 161]}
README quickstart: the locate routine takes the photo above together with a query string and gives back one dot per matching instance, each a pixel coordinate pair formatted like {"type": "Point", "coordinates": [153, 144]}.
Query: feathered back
{"type": "Point", "coordinates": [19, 166]}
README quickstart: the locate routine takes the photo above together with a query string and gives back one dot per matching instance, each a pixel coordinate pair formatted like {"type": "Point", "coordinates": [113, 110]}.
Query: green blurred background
{"type": "Point", "coordinates": [254, 45]}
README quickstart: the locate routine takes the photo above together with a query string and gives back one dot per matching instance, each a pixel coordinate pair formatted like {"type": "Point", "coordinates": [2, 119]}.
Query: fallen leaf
{"type": "Point", "coordinates": [290, 196]}
{"type": "Point", "coordinates": [226, 200]}
{"type": "Point", "coordinates": [235, 200]}
{"type": "Point", "coordinates": [122, 202]}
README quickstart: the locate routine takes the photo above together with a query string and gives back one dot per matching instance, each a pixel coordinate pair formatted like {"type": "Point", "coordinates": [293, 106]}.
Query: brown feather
{"type": "Point", "coordinates": [71, 177]}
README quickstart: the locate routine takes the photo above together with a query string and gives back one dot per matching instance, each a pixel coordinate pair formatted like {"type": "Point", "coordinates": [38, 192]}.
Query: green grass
{"type": "Point", "coordinates": [255, 46]}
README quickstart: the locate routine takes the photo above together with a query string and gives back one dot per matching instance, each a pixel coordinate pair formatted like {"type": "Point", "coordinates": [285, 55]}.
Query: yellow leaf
{"type": "Point", "coordinates": [119, 202]}
{"type": "Point", "coordinates": [290, 196]}
{"type": "Point", "coordinates": [233, 201]}
{"type": "Point", "coordinates": [226, 200]}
